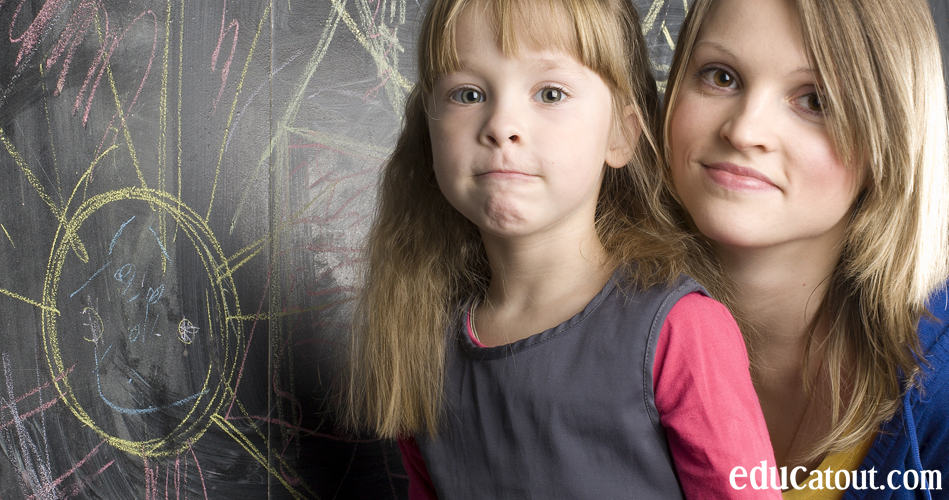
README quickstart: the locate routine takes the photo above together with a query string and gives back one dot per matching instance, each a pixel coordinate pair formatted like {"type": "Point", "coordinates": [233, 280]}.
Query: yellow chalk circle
{"type": "Point", "coordinates": [146, 331]}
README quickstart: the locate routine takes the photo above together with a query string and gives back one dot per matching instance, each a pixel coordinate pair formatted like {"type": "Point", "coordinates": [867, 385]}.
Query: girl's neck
{"type": "Point", "coordinates": [539, 282]}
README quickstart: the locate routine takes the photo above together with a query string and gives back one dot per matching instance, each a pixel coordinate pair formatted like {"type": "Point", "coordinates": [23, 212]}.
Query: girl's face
{"type": "Point", "coordinates": [752, 159]}
{"type": "Point", "coordinates": [519, 143]}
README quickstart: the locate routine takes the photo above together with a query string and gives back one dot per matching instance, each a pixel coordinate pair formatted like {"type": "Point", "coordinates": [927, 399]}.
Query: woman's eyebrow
{"type": "Point", "coordinates": [721, 48]}
{"type": "Point", "coordinates": [715, 46]}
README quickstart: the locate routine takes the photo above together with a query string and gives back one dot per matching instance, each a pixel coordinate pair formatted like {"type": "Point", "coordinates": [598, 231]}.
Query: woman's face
{"type": "Point", "coordinates": [752, 159]}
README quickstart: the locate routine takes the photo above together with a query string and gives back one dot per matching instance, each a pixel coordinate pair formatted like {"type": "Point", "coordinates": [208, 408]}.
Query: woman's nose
{"type": "Point", "coordinates": [749, 125]}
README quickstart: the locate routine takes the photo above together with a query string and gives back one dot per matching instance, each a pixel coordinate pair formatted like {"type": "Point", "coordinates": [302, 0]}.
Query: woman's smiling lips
{"type": "Point", "coordinates": [734, 177]}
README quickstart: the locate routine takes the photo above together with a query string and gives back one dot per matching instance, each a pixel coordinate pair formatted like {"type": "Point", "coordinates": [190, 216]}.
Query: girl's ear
{"type": "Point", "coordinates": [623, 138]}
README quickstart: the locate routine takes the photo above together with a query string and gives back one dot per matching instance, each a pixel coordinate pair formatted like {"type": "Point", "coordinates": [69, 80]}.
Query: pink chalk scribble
{"type": "Point", "coordinates": [103, 58]}
{"type": "Point", "coordinates": [36, 474]}
{"type": "Point", "coordinates": [42, 407]}
{"type": "Point", "coordinates": [71, 38]}
{"type": "Point", "coordinates": [226, 67]}
{"type": "Point", "coordinates": [75, 488]}
{"type": "Point", "coordinates": [30, 38]}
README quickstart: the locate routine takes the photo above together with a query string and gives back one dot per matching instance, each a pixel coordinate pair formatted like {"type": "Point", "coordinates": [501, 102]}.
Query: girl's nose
{"type": "Point", "coordinates": [503, 126]}
{"type": "Point", "coordinates": [749, 126]}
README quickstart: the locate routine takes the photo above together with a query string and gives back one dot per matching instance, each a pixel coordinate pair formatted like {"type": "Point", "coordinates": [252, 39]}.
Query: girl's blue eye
{"type": "Point", "coordinates": [550, 95]}
{"type": "Point", "coordinates": [468, 96]}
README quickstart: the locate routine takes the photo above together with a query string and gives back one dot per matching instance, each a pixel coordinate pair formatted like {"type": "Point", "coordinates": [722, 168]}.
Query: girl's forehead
{"type": "Point", "coordinates": [539, 25]}
{"type": "Point", "coordinates": [596, 37]}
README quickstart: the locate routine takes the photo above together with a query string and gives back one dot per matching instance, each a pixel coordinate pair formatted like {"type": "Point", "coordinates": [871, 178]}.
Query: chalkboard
{"type": "Point", "coordinates": [184, 186]}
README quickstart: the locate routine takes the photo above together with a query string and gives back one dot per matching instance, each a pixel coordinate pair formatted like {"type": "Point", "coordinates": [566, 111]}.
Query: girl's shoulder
{"type": "Point", "coordinates": [629, 280]}
{"type": "Point", "coordinates": [683, 301]}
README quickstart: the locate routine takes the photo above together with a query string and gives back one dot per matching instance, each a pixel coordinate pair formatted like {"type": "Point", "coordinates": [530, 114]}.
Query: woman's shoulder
{"type": "Point", "coordinates": [930, 400]}
{"type": "Point", "coordinates": [934, 339]}
{"type": "Point", "coordinates": [934, 325]}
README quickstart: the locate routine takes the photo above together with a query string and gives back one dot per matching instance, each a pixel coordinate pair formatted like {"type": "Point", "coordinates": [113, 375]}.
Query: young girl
{"type": "Point", "coordinates": [524, 327]}
{"type": "Point", "coordinates": [808, 144]}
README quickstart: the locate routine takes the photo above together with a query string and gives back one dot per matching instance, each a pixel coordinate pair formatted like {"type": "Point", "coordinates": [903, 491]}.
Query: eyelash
{"type": "Point", "coordinates": [807, 109]}
{"type": "Point", "coordinates": [456, 93]}
{"type": "Point", "coordinates": [702, 75]}
{"type": "Point", "coordinates": [563, 92]}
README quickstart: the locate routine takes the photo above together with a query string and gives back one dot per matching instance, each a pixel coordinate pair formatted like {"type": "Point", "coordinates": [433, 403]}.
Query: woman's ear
{"type": "Point", "coordinates": [623, 138]}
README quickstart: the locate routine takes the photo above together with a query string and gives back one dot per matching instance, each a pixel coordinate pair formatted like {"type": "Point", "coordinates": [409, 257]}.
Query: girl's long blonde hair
{"type": "Point", "coordinates": [882, 82]}
{"type": "Point", "coordinates": [423, 257]}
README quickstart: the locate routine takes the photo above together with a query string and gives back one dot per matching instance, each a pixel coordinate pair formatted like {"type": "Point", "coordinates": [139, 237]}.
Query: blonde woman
{"type": "Point", "coordinates": [807, 145]}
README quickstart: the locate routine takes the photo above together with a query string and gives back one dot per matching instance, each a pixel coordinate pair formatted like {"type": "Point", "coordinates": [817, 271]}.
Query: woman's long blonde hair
{"type": "Point", "coordinates": [423, 257]}
{"type": "Point", "coordinates": [882, 83]}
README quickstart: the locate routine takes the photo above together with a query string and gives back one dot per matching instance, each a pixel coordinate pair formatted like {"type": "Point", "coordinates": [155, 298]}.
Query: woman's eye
{"type": "Point", "coordinates": [550, 95]}
{"type": "Point", "coordinates": [467, 96]}
{"type": "Point", "coordinates": [718, 77]}
{"type": "Point", "coordinates": [814, 103]}
{"type": "Point", "coordinates": [721, 78]}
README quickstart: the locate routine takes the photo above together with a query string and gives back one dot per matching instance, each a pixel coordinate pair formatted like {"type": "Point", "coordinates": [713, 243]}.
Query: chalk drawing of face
{"type": "Point", "coordinates": [144, 321]}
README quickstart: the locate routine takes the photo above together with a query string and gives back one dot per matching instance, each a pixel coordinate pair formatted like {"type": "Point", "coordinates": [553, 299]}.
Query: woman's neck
{"type": "Point", "coordinates": [779, 291]}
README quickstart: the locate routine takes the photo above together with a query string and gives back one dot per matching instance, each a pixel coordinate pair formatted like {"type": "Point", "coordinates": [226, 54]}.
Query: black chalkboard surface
{"type": "Point", "coordinates": [183, 190]}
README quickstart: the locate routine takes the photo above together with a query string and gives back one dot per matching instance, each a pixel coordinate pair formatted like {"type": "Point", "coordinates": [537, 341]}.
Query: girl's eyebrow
{"type": "Point", "coordinates": [540, 64]}
{"type": "Point", "coordinates": [554, 64]}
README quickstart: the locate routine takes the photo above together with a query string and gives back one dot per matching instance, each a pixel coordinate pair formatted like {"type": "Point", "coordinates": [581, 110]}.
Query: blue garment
{"type": "Point", "coordinates": [917, 437]}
